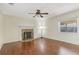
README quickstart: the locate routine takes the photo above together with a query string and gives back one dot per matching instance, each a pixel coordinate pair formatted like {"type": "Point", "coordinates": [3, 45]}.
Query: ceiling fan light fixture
{"type": "Point", "coordinates": [38, 16]}
{"type": "Point", "coordinates": [41, 16]}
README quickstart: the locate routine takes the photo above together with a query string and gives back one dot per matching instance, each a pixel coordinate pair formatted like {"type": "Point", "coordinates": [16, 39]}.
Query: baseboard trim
{"type": "Point", "coordinates": [1, 46]}
{"type": "Point", "coordinates": [61, 41]}
{"type": "Point", "coordinates": [37, 38]}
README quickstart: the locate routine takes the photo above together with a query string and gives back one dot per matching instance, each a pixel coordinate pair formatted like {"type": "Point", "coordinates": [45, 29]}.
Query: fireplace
{"type": "Point", "coordinates": [27, 34]}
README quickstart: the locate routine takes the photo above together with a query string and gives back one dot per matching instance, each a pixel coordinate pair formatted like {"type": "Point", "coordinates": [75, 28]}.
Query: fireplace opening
{"type": "Point", "coordinates": [27, 34]}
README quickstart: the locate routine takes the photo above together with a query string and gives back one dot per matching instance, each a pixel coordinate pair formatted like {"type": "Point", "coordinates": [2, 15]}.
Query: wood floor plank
{"type": "Point", "coordinates": [40, 46]}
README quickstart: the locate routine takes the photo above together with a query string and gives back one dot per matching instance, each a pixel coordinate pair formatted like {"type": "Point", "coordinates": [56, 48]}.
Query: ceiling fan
{"type": "Point", "coordinates": [11, 3]}
{"type": "Point", "coordinates": [38, 13]}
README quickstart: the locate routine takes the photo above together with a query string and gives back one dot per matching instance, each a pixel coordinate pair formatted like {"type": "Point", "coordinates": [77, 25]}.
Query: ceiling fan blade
{"type": "Point", "coordinates": [11, 3]}
{"type": "Point", "coordinates": [31, 13]}
{"type": "Point", "coordinates": [44, 13]}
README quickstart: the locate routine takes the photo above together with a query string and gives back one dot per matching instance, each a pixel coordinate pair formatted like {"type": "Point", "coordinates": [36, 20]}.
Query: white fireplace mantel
{"type": "Point", "coordinates": [26, 27]}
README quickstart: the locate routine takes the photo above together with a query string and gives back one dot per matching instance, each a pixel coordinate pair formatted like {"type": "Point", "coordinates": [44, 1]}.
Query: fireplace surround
{"type": "Point", "coordinates": [27, 34]}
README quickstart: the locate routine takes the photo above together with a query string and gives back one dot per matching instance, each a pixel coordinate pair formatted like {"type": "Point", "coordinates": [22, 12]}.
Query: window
{"type": "Point", "coordinates": [68, 26]}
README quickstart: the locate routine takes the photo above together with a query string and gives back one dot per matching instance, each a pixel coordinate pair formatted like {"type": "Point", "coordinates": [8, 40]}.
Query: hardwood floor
{"type": "Point", "coordinates": [39, 46]}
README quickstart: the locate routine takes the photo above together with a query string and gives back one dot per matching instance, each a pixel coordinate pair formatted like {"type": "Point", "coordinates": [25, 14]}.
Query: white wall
{"type": "Point", "coordinates": [12, 27]}
{"type": "Point", "coordinates": [1, 31]}
{"type": "Point", "coordinates": [52, 30]}
{"type": "Point", "coordinates": [12, 30]}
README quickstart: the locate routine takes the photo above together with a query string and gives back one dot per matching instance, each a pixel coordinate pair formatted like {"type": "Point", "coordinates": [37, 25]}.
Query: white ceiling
{"type": "Point", "coordinates": [22, 9]}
